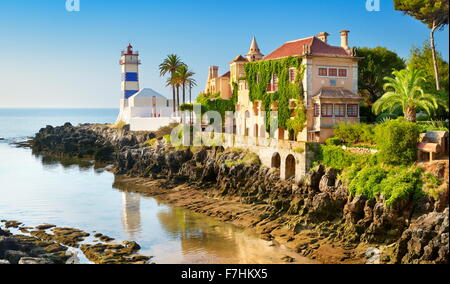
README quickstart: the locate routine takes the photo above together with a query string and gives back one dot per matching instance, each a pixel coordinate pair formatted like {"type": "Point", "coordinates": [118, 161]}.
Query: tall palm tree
{"type": "Point", "coordinates": [192, 83]}
{"type": "Point", "coordinates": [404, 91]}
{"type": "Point", "coordinates": [184, 75]}
{"type": "Point", "coordinates": [170, 65]}
{"type": "Point", "coordinates": [175, 82]}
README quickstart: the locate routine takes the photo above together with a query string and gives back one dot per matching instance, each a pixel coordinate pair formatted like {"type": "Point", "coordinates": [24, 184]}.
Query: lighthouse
{"type": "Point", "coordinates": [130, 72]}
{"type": "Point", "coordinates": [142, 109]}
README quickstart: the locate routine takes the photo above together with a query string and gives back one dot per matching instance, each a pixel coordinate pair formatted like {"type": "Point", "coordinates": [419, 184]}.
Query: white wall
{"type": "Point", "coordinates": [150, 124]}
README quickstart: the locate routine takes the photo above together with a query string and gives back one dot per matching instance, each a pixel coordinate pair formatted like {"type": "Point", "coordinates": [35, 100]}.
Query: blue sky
{"type": "Point", "coordinates": [53, 58]}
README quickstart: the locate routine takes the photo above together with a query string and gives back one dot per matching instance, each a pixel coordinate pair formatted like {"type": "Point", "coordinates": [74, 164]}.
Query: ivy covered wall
{"type": "Point", "coordinates": [258, 76]}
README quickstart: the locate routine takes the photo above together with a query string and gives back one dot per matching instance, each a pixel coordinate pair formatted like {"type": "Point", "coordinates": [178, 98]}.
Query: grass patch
{"type": "Point", "coordinates": [249, 159]}
{"type": "Point", "coordinates": [118, 125]}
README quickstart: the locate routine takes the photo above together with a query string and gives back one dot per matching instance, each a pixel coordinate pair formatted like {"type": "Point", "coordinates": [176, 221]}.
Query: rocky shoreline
{"type": "Point", "coordinates": [315, 217]}
{"type": "Point", "coordinates": [49, 244]}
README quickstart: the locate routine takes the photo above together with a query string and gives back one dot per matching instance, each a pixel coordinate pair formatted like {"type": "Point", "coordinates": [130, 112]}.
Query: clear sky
{"type": "Point", "coordinates": [53, 58]}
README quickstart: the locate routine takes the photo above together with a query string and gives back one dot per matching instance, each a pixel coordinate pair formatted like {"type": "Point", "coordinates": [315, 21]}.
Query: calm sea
{"type": "Point", "coordinates": [23, 123]}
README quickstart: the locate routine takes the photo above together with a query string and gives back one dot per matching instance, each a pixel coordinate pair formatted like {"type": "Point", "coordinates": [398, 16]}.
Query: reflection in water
{"type": "Point", "coordinates": [205, 240]}
{"type": "Point", "coordinates": [51, 162]}
{"type": "Point", "coordinates": [131, 213]}
{"type": "Point", "coordinates": [74, 193]}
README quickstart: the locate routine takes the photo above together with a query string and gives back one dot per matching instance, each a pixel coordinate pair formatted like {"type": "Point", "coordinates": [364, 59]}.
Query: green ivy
{"type": "Point", "coordinates": [258, 76]}
{"type": "Point", "coordinates": [213, 102]}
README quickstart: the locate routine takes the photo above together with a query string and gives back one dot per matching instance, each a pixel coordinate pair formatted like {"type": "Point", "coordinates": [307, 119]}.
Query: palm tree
{"type": "Point", "coordinates": [404, 91]}
{"type": "Point", "coordinates": [175, 82]}
{"type": "Point", "coordinates": [184, 75]}
{"type": "Point", "coordinates": [191, 83]}
{"type": "Point", "coordinates": [170, 65]}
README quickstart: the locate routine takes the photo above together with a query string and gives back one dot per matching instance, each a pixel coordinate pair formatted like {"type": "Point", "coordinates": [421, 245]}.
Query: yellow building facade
{"type": "Point", "coordinates": [330, 86]}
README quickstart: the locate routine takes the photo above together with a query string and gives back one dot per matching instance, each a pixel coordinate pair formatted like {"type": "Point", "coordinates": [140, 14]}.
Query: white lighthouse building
{"type": "Point", "coordinates": [143, 109]}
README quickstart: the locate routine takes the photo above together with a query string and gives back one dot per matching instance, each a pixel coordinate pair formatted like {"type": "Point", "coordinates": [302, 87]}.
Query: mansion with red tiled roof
{"type": "Point", "coordinates": [328, 76]}
{"type": "Point", "coordinates": [330, 83]}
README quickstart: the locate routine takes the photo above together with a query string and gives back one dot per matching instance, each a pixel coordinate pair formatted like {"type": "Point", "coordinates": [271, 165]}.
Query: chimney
{"type": "Point", "coordinates": [344, 39]}
{"type": "Point", "coordinates": [323, 36]}
{"type": "Point", "coordinates": [213, 72]}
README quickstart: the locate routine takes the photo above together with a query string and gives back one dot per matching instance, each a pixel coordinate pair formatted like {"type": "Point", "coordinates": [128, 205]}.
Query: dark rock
{"type": "Point", "coordinates": [7, 243]}
{"type": "Point", "coordinates": [425, 241]}
{"type": "Point", "coordinates": [13, 256]}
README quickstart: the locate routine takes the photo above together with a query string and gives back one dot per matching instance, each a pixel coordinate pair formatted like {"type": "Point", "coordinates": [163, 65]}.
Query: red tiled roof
{"type": "Point", "coordinates": [316, 46]}
{"type": "Point", "coordinates": [239, 58]}
{"type": "Point", "coordinates": [226, 75]}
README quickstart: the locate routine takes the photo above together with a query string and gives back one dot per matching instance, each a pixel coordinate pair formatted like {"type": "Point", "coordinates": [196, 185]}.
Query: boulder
{"type": "Point", "coordinates": [34, 260]}
{"type": "Point", "coordinates": [328, 180]}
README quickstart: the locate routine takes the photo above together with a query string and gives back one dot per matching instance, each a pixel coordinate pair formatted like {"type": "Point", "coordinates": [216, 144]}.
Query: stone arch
{"type": "Point", "coordinates": [290, 167]}
{"type": "Point", "coordinates": [276, 161]}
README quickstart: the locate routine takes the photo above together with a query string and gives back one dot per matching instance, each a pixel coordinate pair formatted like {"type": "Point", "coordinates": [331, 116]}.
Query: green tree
{"type": "Point", "coordinates": [184, 75]}
{"type": "Point", "coordinates": [433, 13]}
{"type": "Point", "coordinates": [169, 66]}
{"type": "Point", "coordinates": [404, 91]}
{"type": "Point", "coordinates": [421, 57]}
{"type": "Point", "coordinates": [192, 83]}
{"type": "Point", "coordinates": [377, 63]}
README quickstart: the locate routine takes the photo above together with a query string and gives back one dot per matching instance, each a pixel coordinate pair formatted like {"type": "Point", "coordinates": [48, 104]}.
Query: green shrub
{"type": "Point", "coordinates": [397, 142]}
{"type": "Point", "coordinates": [334, 141]}
{"type": "Point", "coordinates": [432, 185]}
{"type": "Point", "coordinates": [399, 183]}
{"type": "Point", "coordinates": [367, 182]}
{"type": "Point", "coordinates": [338, 158]}
{"type": "Point", "coordinates": [355, 133]}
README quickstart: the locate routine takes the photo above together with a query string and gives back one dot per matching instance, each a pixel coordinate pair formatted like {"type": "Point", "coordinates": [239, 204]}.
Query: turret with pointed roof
{"type": "Point", "coordinates": [254, 54]}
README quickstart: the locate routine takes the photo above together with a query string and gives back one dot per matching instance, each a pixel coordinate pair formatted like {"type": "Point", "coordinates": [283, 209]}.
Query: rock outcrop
{"type": "Point", "coordinates": [415, 229]}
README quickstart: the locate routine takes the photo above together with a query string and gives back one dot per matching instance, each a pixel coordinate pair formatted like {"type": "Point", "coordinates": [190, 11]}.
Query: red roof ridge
{"type": "Point", "coordinates": [300, 39]}
{"type": "Point", "coordinates": [313, 45]}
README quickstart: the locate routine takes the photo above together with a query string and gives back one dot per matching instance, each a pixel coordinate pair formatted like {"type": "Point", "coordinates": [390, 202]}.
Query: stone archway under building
{"type": "Point", "coordinates": [276, 161]}
{"type": "Point", "coordinates": [290, 167]}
